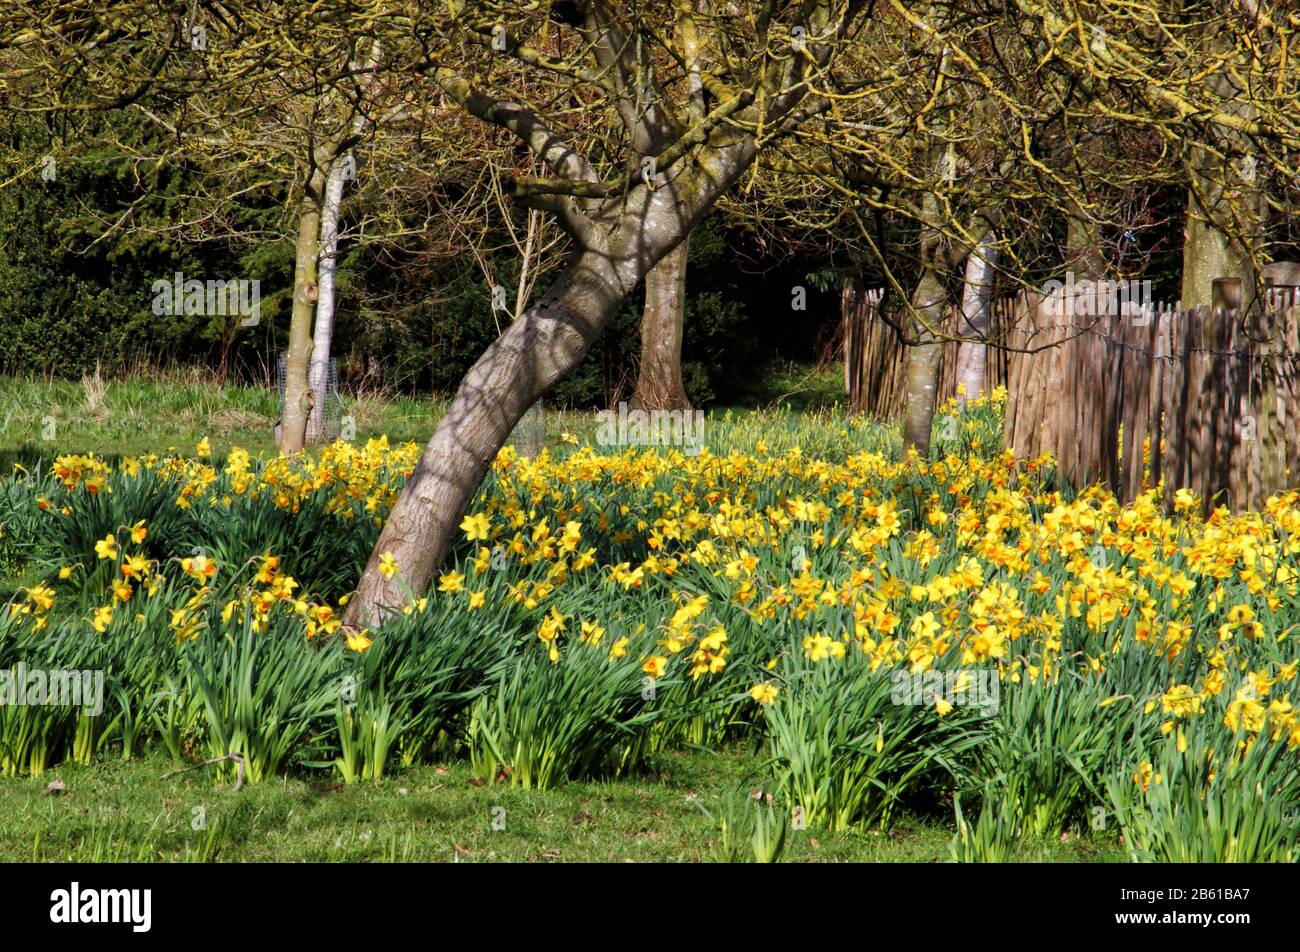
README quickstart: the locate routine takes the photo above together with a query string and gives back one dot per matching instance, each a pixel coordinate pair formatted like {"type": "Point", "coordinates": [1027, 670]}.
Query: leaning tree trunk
{"type": "Point", "coordinates": [297, 387]}
{"type": "Point", "coordinates": [534, 351]}
{"type": "Point", "coordinates": [922, 380]}
{"type": "Point", "coordinates": [972, 355]}
{"type": "Point", "coordinates": [323, 334]}
{"type": "Point", "coordinates": [659, 381]}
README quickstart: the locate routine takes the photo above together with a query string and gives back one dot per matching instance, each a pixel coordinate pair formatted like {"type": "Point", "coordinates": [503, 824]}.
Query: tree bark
{"type": "Point", "coordinates": [659, 379]}
{"type": "Point", "coordinates": [323, 335]}
{"type": "Point", "coordinates": [297, 388]}
{"type": "Point", "coordinates": [972, 355]}
{"type": "Point", "coordinates": [1208, 251]}
{"type": "Point", "coordinates": [1222, 238]}
{"type": "Point", "coordinates": [922, 381]}
{"type": "Point", "coordinates": [929, 301]}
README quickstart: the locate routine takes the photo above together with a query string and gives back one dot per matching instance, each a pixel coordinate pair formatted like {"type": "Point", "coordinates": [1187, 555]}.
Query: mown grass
{"type": "Point", "coordinates": [142, 811]}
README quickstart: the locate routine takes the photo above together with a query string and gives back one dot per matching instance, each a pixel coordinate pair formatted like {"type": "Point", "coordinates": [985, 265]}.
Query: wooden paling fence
{"type": "Point", "coordinates": [1201, 397]}
{"type": "Point", "coordinates": [873, 356]}
{"type": "Point", "coordinates": [1204, 398]}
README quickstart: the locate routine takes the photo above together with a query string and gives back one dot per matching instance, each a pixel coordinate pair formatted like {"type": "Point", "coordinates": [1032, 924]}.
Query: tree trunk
{"type": "Point", "coordinates": [1208, 252]}
{"type": "Point", "coordinates": [323, 335]}
{"type": "Point", "coordinates": [1223, 192]}
{"type": "Point", "coordinates": [537, 349]}
{"type": "Point", "coordinates": [972, 355]}
{"type": "Point", "coordinates": [1222, 239]}
{"type": "Point", "coordinates": [297, 388]}
{"type": "Point", "coordinates": [659, 380]}
{"type": "Point", "coordinates": [618, 245]}
{"type": "Point", "coordinates": [533, 352]}
{"type": "Point", "coordinates": [922, 381]}
{"type": "Point", "coordinates": [929, 302]}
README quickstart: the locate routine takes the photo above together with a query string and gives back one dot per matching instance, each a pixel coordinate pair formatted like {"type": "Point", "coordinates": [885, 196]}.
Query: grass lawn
{"type": "Point", "coordinates": [170, 411]}
{"type": "Point", "coordinates": [135, 812]}
{"type": "Point", "coordinates": [42, 418]}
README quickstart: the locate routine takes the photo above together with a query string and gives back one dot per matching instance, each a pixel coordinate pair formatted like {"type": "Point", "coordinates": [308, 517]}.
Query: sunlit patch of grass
{"type": "Point", "coordinates": [141, 811]}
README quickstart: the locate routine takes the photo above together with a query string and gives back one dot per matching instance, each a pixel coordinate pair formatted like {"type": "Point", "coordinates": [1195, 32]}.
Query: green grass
{"type": "Point", "coordinates": [117, 811]}
{"type": "Point", "coordinates": [41, 418]}
{"type": "Point", "coordinates": [44, 417]}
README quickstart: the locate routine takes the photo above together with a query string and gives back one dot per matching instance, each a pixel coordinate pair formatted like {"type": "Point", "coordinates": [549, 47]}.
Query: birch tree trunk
{"type": "Point", "coordinates": [659, 379]}
{"type": "Point", "coordinates": [972, 355]}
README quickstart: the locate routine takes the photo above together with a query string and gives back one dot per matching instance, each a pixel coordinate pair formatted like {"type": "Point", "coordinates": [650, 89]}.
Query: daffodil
{"type": "Point", "coordinates": [106, 548]}
{"type": "Point", "coordinates": [476, 526]}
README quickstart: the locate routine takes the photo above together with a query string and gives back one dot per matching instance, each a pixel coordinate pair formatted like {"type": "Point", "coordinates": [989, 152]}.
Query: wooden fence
{"type": "Point", "coordinates": [1203, 398]}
